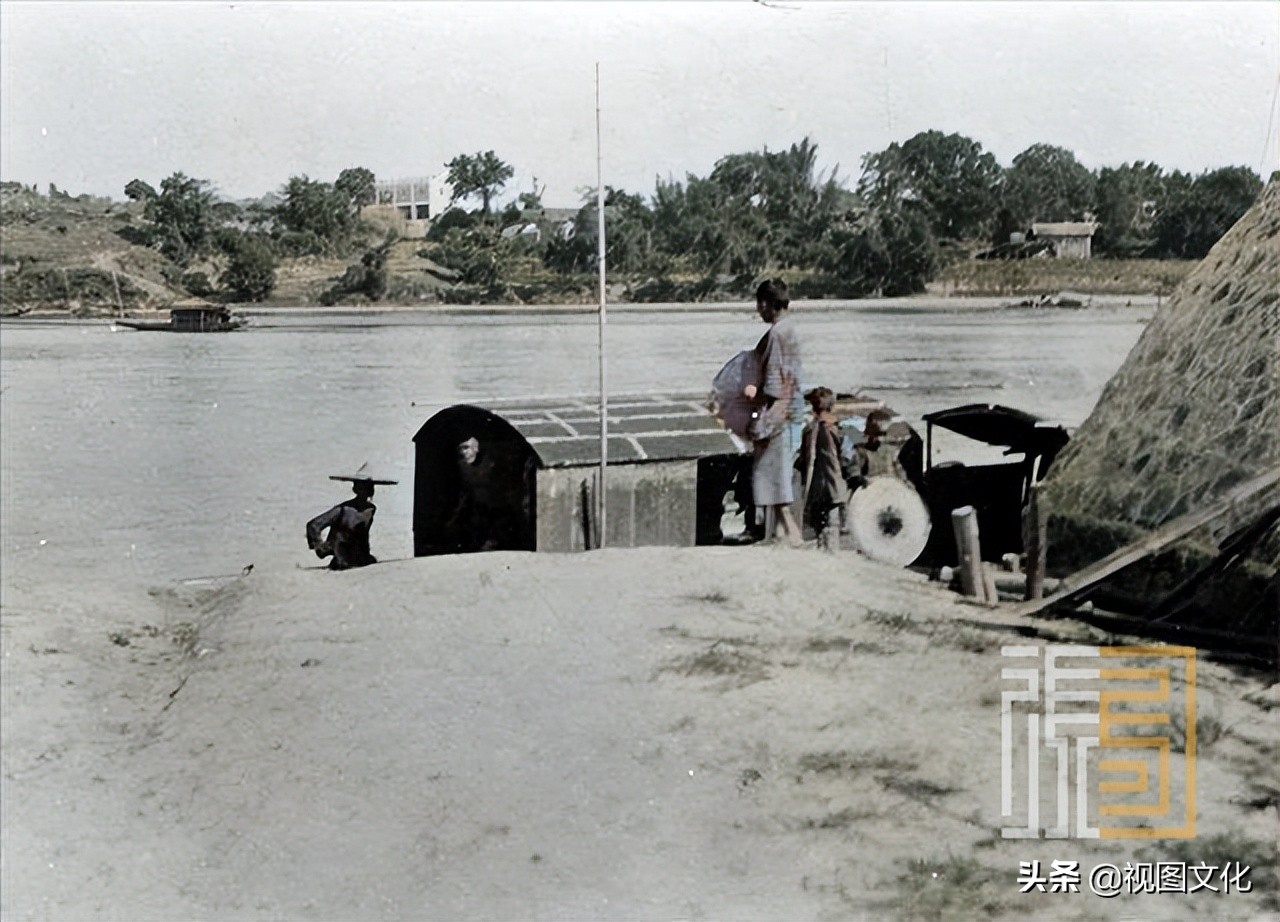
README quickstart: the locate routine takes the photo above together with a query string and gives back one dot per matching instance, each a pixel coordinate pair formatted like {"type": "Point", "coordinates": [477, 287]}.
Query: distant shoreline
{"type": "Point", "coordinates": [922, 303]}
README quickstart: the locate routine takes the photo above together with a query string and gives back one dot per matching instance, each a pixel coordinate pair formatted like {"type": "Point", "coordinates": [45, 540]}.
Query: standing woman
{"type": "Point", "coordinates": [779, 421]}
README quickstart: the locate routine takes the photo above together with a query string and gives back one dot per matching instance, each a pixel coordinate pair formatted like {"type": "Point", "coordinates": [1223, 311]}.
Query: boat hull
{"type": "Point", "coordinates": [169, 327]}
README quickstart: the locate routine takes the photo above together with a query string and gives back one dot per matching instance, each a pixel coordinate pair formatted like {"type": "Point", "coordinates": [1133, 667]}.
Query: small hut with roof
{"type": "Point", "coordinates": [534, 476]}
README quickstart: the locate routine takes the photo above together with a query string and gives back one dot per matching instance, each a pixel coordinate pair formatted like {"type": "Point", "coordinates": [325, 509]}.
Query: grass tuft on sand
{"type": "Point", "coordinates": [852, 763]}
{"type": "Point", "coordinates": [940, 889]}
{"type": "Point", "coordinates": [1226, 849]}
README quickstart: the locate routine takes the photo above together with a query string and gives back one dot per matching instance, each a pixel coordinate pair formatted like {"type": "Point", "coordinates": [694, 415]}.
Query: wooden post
{"type": "Point", "coordinates": [989, 591]}
{"type": "Point", "coordinates": [1037, 536]}
{"type": "Point", "coordinates": [964, 522]}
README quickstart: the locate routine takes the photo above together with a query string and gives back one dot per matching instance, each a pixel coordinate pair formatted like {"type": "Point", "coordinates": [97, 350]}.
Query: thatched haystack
{"type": "Point", "coordinates": [1191, 413]}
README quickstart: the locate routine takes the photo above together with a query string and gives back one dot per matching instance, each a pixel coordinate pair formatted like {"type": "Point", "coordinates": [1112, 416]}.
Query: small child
{"type": "Point", "coordinates": [825, 490]}
{"type": "Point", "coordinates": [874, 457]}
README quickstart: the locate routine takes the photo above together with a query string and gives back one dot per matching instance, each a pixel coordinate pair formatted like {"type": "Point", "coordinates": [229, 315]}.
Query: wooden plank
{"type": "Point", "coordinates": [1083, 580]}
{"type": "Point", "coordinates": [1251, 649]}
{"type": "Point", "coordinates": [1230, 553]}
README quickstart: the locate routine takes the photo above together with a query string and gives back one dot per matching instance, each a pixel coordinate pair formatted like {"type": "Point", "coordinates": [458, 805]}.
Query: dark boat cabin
{"type": "Point", "coordinates": [201, 320]}
{"type": "Point", "coordinates": [524, 475]}
{"type": "Point", "coordinates": [997, 491]}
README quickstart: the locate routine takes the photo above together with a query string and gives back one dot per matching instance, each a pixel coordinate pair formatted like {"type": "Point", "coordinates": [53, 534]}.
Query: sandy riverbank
{"type": "Point", "coordinates": [749, 733]}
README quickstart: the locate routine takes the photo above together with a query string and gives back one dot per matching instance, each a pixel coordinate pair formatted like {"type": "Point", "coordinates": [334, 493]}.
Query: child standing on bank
{"type": "Point", "coordinates": [825, 490]}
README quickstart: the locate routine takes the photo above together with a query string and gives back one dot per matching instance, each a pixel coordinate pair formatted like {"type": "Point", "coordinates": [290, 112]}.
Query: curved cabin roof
{"type": "Point", "coordinates": [565, 432]}
{"type": "Point", "coordinates": [1007, 427]}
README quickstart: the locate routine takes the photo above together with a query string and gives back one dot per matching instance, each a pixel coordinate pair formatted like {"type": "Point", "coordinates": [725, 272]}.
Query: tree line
{"type": "Point", "coordinates": [914, 205]}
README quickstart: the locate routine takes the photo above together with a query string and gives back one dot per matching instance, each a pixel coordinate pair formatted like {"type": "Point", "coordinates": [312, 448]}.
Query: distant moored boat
{"type": "Point", "coordinates": [205, 318]}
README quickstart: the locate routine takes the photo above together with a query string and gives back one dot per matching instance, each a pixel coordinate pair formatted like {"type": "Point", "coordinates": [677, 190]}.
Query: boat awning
{"type": "Point", "coordinates": [993, 424]}
{"type": "Point", "coordinates": [565, 432]}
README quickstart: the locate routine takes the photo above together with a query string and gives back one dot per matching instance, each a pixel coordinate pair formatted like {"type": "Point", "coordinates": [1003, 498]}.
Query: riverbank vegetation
{"type": "Point", "coordinates": [1047, 277]}
{"type": "Point", "coordinates": [913, 220]}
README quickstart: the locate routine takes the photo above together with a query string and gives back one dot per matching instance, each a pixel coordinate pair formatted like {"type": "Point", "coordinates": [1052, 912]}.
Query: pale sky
{"type": "Point", "coordinates": [94, 94]}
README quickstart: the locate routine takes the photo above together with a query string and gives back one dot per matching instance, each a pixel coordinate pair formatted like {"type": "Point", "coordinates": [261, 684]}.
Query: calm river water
{"type": "Point", "coordinates": [135, 457]}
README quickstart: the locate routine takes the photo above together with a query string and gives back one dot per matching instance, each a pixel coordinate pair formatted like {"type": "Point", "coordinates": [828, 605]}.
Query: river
{"type": "Point", "coordinates": [140, 458]}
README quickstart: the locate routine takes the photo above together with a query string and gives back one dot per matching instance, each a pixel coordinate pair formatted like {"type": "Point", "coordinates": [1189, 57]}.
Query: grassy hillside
{"type": "Point", "coordinates": [80, 254]}
{"type": "Point", "coordinates": [73, 253]}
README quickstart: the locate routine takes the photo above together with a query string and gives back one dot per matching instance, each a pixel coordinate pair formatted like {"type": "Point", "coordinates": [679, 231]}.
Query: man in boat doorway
{"type": "Point", "coordinates": [348, 523]}
{"type": "Point", "coordinates": [493, 509]}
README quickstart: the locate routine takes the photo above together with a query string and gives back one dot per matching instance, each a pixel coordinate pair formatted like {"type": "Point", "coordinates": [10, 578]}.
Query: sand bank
{"type": "Point", "coordinates": [748, 733]}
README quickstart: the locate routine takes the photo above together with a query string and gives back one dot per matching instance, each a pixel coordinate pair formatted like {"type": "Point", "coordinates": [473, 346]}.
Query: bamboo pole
{"type": "Point", "coordinates": [603, 496]}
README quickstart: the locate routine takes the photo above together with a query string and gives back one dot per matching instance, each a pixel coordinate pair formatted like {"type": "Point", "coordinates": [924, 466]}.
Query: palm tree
{"type": "Point", "coordinates": [482, 173]}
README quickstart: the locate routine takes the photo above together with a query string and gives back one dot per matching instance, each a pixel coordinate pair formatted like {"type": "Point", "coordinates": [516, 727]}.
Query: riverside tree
{"type": "Point", "coordinates": [775, 205]}
{"type": "Point", "coordinates": [251, 272]}
{"type": "Point", "coordinates": [1047, 183]}
{"type": "Point", "coordinates": [757, 209]}
{"type": "Point", "coordinates": [1195, 213]}
{"type": "Point", "coordinates": [314, 217]}
{"type": "Point", "coordinates": [629, 237]}
{"type": "Point", "coordinates": [757, 212]}
{"type": "Point", "coordinates": [182, 216]}
{"type": "Point", "coordinates": [358, 185]}
{"type": "Point", "coordinates": [950, 176]}
{"type": "Point", "coordinates": [483, 174]}
{"type": "Point", "coordinates": [139, 191]}
{"type": "Point", "coordinates": [1127, 197]}
{"type": "Point", "coordinates": [877, 251]}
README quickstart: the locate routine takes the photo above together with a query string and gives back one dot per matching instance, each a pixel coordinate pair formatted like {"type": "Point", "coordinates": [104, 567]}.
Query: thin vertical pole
{"type": "Point", "coordinates": [602, 496]}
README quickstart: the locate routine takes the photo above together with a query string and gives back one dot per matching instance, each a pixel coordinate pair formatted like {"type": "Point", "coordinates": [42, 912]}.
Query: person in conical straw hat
{"type": "Point", "coordinates": [348, 524]}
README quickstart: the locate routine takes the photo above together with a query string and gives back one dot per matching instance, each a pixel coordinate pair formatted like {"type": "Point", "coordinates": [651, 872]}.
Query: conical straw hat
{"type": "Point", "coordinates": [363, 476]}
